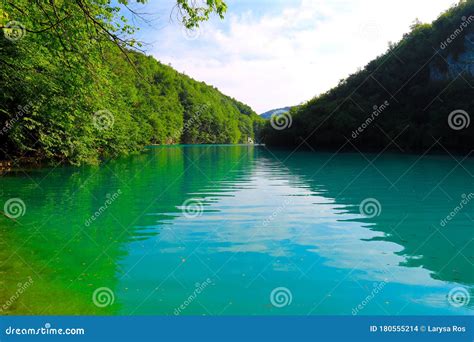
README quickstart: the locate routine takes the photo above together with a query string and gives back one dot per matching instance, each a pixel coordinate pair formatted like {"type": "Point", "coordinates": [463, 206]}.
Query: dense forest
{"type": "Point", "coordinates": [419, 91]}
{"type": "Point", "coordinates": [75, 88]}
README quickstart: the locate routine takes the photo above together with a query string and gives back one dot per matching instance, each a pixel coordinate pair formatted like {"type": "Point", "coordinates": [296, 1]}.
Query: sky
{"type": "Point", "coordinates": [276, 53]}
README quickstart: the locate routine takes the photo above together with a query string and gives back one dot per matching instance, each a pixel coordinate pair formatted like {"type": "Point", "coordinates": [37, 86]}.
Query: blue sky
{"type": "Point", "coordinates": [275, 53]}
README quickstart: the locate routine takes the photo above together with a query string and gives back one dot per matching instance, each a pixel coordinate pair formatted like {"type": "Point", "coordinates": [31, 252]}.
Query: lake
{"type": "Point", "coordinates": [240, 230]}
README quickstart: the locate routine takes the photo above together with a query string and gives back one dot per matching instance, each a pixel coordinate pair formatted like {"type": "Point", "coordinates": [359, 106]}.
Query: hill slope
{"type": "Point", "coordinates": [77, 95]}
{"type": "Point", "coordinates": [419, 91]}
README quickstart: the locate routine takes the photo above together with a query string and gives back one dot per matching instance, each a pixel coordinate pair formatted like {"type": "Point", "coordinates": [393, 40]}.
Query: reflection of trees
{"type": "Point", "coordinates": [411, 210]}
{"type": "Point", "coordinates": [57, 248]}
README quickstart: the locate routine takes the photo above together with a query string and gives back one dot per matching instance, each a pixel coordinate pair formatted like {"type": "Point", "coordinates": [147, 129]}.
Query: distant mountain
{"type": "Point", "coordinates": [268, 115]}
{"type": "Point", "coordinates": [416, 97]}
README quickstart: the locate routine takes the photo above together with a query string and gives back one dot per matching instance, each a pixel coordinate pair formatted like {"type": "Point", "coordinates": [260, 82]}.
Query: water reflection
{"type": "Point", "coordinates": [69, 259]}
{"type": "Point", "coordinates": [415, 194]}
{"type": "Point", "coordinates": [269, 219]}
{"type": "Point", "coordinates": [308, 205]}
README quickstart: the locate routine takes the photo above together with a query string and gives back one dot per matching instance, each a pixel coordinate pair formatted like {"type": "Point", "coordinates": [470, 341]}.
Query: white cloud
{"type": "Point", "coordinates": [272, 61]}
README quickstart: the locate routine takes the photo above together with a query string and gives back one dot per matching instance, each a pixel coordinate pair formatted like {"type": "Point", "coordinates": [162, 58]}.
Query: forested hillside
{"type": "Point", "coordinates": [419, 91]}
{"type": "Point", "coordinates": [75, 90]}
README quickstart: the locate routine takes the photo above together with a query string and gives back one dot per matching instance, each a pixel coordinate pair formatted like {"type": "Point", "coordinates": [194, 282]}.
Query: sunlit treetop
{"type": "Point", "coordinates": [192, 12]}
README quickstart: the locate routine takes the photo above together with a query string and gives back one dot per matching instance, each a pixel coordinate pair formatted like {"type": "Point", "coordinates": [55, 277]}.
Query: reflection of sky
{"type": "Point", "coordinates": [271, 226]}
{"type": "Point", "coordinates": [276, 216]}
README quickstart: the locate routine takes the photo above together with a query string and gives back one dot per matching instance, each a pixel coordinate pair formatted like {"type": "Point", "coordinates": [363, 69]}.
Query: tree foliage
{"type": "Point", "coordinates": [74, 90]}
{"type": "Point", "coordinates": [419, 103]}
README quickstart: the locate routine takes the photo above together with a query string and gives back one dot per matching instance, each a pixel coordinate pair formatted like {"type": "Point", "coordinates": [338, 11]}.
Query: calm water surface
{"type": "Point", "coordinates": [260, 221]}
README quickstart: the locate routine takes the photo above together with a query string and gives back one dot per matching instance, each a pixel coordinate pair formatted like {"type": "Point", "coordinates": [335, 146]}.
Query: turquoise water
{"type": "Point", "coordinates": [241, 230]}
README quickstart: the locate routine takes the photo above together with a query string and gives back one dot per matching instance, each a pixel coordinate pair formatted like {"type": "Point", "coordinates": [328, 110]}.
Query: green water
{"type": "Point", "coordinates": [269, 219]}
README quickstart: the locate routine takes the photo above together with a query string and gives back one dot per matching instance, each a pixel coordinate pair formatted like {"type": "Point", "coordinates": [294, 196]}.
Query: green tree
{"type": "Point", "coordinates": [76, 89]}
{"type": "Point", "coordinates": [413, 77]}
